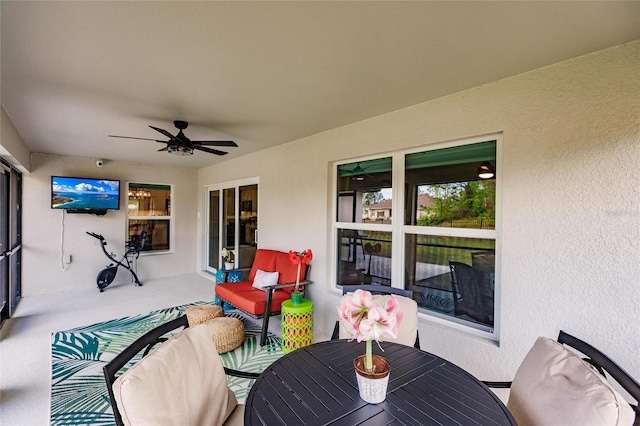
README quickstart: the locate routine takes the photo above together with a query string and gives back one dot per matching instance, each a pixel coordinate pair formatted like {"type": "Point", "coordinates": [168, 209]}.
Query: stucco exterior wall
{"type": "Point", "coordinates": [570, 239]}
{"type": "Point", "coordinates": [12, 147]}
{"type": "Point", "coordinates": [47, 233]}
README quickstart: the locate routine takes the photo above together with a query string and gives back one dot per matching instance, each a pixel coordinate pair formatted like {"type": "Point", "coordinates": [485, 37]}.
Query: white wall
{"type": "Point", "coordinates": [570, 219]}
{"type": "Point", "coordinates": [45, 235]}
{"type": "Point", "coordinates": [12, 147]}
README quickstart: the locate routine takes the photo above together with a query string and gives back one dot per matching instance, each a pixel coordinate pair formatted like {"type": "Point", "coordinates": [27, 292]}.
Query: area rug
{"type": "Point", "coordinates": [78, 392]}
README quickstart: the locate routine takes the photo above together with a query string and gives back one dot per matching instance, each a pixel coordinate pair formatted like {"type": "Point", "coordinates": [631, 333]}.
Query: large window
{"type": "Point", "coordinates": [149, 210]}
{"type": "Point", "coordinates": [444, 245]}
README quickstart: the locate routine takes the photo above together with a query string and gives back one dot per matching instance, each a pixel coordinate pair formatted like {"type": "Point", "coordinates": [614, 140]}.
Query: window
{"type": "Point", "coordinates": [149, 210]}
{"type": "Point", "coordinates": [364, 214]}
{"type": "Point", "coordinates": [443, 248]}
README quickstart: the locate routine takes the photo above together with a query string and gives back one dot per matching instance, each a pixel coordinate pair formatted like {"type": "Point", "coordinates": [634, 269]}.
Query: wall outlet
{"type": "Point", "coordinates": [67, 259]}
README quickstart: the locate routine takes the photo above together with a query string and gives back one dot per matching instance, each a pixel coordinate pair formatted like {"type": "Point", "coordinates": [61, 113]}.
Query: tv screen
{"type": "Point", "coordinates": [84, 193]}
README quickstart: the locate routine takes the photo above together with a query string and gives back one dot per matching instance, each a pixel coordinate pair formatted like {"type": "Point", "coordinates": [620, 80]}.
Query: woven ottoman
{"type": "Point", "coordinates": [202, 313]}
{"type": "Point", "coordinates": [226, 332]}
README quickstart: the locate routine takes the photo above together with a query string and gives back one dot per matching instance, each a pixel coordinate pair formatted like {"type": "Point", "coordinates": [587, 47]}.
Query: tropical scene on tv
{"type": "Point", "coordinates": [82, 193]}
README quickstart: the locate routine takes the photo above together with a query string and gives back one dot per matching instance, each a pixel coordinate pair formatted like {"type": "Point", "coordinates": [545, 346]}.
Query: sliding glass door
{"type": "Point", "coordinates": [10, 239]}
{"type": "Point", "coordinates": [231, 223]}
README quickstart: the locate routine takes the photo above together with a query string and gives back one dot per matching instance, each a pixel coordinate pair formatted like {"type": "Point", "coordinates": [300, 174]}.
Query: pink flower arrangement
{"type": "Point", "coordinates": [300, 258]}
{"type": "Point", "coordinates": [366, 320]}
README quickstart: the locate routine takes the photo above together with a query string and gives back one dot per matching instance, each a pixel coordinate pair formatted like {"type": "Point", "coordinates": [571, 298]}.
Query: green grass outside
{"type": "Point", "coordinates": [437, 250]}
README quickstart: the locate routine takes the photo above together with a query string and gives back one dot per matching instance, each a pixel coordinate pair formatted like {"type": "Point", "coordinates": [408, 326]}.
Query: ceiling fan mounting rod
{"type": "Point", "coordinates": [180, 124]}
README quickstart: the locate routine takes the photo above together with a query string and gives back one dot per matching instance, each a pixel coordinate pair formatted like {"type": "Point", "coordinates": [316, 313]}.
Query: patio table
{"type": "Point", "coordinates": [316, 385]}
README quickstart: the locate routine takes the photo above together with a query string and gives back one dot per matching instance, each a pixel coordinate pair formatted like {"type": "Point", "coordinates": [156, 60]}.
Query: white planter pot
{"type": "Point", "coordinates": [372, 386]}
{"type": "Point", "coordinates": [228, 265]}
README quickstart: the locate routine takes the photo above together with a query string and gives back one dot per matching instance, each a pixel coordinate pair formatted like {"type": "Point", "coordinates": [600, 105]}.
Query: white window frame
{"type": "Point", "coordinates": [170, 218]}
{"type": "Point", "coordinates": [399, 230]}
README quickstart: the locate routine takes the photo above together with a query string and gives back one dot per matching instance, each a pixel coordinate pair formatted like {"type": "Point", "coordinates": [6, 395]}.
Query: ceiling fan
{"type": "Point", "coordinates": [358, 172]}
{"type": "Point", "coordinates": [182, 145]}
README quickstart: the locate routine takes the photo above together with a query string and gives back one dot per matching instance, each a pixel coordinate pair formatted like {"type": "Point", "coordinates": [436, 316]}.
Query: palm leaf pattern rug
{"type": "Point", "coordinates": [78, 391]}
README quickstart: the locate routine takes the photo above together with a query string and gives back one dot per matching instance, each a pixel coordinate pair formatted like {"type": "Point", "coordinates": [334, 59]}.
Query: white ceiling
{"type": "Point", "coordinates": [265, 73]}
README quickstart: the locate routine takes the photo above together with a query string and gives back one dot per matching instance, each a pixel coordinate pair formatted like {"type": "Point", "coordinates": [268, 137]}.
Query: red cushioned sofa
{"type": "Point", "coordinates": [264, 303]}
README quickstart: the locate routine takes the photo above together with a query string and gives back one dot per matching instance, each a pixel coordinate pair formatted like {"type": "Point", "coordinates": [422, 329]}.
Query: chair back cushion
{"type": "Point", "coordinates": [554, 386]}
{"type": "Point", "coordinates": [264, 260]}
{"type": "Point", "coordinates": [181, 382]}
{"type": "Point", "coordinates": [276, 261]}
{"type": "Point", "coordinates": [408, 328]}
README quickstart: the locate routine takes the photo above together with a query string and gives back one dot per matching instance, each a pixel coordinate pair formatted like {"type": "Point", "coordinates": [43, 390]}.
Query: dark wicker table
{"type": "Point", "coordinates": [316, 385]}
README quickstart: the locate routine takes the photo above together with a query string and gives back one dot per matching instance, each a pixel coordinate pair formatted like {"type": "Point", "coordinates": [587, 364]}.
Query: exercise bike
{"type": "Point", "coordinates": [128, 260]}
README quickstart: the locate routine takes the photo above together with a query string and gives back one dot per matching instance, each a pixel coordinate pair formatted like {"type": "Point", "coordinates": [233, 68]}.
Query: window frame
{"type": "Point", "coordinates": [170, 218]}
{"type": "Point", "coordinates": [399, 230]}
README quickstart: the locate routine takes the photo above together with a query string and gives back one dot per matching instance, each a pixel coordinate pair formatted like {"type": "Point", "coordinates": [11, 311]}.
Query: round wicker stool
{"type": "Point", "coordinates": [227, 333]}
{"type": "Point", "coordinates": [203, 313]}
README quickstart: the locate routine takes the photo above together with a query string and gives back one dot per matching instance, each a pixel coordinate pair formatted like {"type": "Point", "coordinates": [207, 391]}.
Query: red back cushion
{"type": "Point", "coordinates": [265, 260]}
{"type": "Point", "coordinates": [287, 269]}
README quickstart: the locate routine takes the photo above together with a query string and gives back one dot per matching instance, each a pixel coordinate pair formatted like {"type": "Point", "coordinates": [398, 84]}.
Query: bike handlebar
{"type": "Point", "coordinates": [97, 236]}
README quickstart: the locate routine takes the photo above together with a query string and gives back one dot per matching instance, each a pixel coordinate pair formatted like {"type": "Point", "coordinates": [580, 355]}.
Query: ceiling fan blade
{"type": "Point", "coordinates": [164, 132]}
{"type": "Point", "coordinates": [215, 143]}
{"type": "Point", "coordinates": [131, 137]}
{"type": "Point", "coordinates": [210, 151]}
{"type": "Point", "coordinates": [166, 148]}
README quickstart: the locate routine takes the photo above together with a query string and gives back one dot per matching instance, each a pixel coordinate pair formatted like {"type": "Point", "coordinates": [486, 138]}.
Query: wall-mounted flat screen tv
{"type": "Point", "coordinates": [73, 193]}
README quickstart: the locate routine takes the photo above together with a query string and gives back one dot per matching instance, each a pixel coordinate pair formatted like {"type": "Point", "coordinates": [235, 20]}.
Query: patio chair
{"type": "Point", "coordinates": [553, 385]}
{"type": "Point", "coordinates": [408, 329]}
{"type": "Point", "coordinates": [472, 290]}
{"type": "Point", "coordinates": [260, 300]}
{"type": "Point", "coordinates": [181, 382]}
{"type": "Point", "coordinates": [484, 260]}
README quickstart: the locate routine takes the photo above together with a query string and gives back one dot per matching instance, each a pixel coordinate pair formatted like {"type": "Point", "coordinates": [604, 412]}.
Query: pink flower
{"type": "Point", "coordinates": [366, 319]}
{"type": "Point", "coordinates": [354, 308]}
{"type": "Point", "coordinates": [378, 324]}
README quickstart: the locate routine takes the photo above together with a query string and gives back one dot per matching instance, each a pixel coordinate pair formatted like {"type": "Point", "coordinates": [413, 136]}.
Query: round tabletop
{"type": "Point", "coordinates": [317, 385]}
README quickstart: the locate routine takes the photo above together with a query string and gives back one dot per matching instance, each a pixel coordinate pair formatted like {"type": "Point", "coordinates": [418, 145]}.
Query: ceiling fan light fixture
{"type": "Point", "coordinates": [486, 171]}
{"type": "Point", "coordinates": [180, 150]}
{"type": "Point", "coordinates": [180, 144]}
{"type": "Point", "coordinates": [358, 172]}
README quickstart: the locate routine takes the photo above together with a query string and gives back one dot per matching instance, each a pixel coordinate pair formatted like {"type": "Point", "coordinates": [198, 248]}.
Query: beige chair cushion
{"type": "Point", "coordinates": [408, 328]}
{"type": "Point", "coordinates": [237, 417]}
{"type": "Point", "coordinates": [553, 386]}
{"type": "Point", "coordinates": [182, 382]}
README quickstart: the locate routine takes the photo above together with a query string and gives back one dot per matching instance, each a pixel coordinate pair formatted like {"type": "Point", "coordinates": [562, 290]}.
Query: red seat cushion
{"type": "Point", "coordinates": [242, 295]}
{"type": "Point", "coordinates": [226, 291]}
